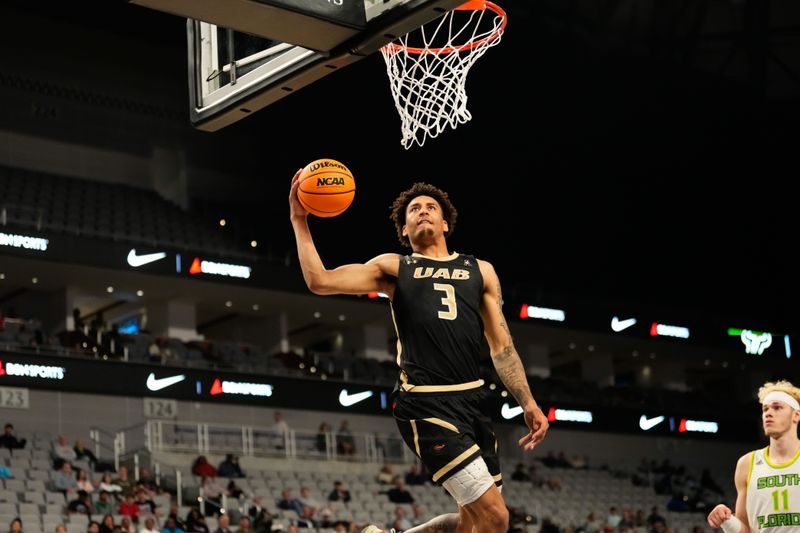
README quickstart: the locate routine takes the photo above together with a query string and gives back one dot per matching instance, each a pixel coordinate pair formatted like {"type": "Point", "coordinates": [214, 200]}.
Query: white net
{"type": "Point", "coordinates": [428, 69]}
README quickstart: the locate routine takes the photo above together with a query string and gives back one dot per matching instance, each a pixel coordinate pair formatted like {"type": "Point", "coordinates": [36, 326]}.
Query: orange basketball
{"type": "Point", "coordinates": [326, 188]}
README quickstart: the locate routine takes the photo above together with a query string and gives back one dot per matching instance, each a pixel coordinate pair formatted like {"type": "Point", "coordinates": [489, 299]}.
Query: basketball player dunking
{"type": "Point", "coordinates": [768, 480]}
{"type": "Point", "coordinates": [442, 304]}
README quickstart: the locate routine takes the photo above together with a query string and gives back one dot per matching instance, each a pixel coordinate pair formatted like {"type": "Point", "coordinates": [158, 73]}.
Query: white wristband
{"type": "Point", "coordinates": [732, 525]}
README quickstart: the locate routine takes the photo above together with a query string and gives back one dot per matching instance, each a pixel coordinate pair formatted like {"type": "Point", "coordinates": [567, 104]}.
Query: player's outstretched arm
{"type": "Point", "coordinates": [721, 516]}
{"type": "Point", "coordinates": [506, 359]}
{"type": "Point", "coordinates": [377, 274]}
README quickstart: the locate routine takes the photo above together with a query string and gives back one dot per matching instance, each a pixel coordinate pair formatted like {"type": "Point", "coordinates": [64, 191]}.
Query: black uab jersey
{"type": "Point", "coordinates": [436, 310]}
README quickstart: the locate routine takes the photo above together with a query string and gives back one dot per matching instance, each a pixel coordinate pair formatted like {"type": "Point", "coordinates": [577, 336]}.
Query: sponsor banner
{"type": "Point", "coordinates": [95, 376]}
{"type": "Point", "coordinates": [194, 265]}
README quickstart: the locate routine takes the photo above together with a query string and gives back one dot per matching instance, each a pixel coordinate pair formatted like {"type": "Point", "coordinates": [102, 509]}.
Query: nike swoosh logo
{"type": "Point", "coordinates": [509, 412]}
{"type": "Point", "coordinates": [351, 399]}
{"type": "Point", "coordinates": [139, 260]}
{"type": "Point", "coordinates": [649, 423]}
{"type": "Point", "coordinates": [620, 325]}
{"type": "Point", "coordinates": [157, 384]}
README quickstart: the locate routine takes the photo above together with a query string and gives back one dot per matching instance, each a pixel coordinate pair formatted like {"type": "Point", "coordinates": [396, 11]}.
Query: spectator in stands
{"type": "Point", "coordinates": [291, 529]}
{"type": "Point", "coordinates": [77, 320]}
{"type": "Point", "coordinates": [561, 461]}
{"type": "Point", "coordinates": [83, 482]}
{"type": "Point", "coordinates": [287, 503]}
{"type": "Point", "coordinates": [345, 443]}
{"type": "Point", "coordinates": [550, 460]}
{"type": "Point", "coordinates": [5, 472]}
{"type": "Point", "coordinates": [244, 525]}
{"type": "Point", "coordinates": [154, 352]}
{"type": "Point", "coordinates": [548, 526]}
{"type": "Point", "coordinates": [638, 519]}
{"type": "Point", "coordinates": [233, 490]}
{"type": "Point", "coordinates": [519, 473]}
{"type": "Point", "coordinates": [212, 493]}
{"type": "Point", "coordinates": [614, 519]}
{"type": "Point", "coordinates": [195, 522]}
{"type": "Point", "coordinates": [306, 520]}
{"type": "Point", "coordinates": [108, 485]}
{"type": "Point", "coordinates": [224, 524]}
{"type": "Point", "coordinates": [107, 523]}
{"type": "Point", "coordinates": [308, 500]}
{"type": "Point", "coordinates": [655, 518]}
{"type": "Point", "coordinates": [62, 452]}
{"type": "Point", "coordinates": [322, 437]}
{"type": "Point", "coordinates": [15, 526]}
{"type": "Point", "coordinates": [386, 475]}
{"type": "Point", "coordinates": [171, 527]}
{"type": "Point", "coordinates": [60, 528]}
{"type": "Point", "coordinates": [173, 513]}
{"type": "Point", "coordinates": [230, 467]}
{"type": "Point", "coordinates": [260, 517]}
{"type": "Point", "coordinates": [93, 527]}
{"type": "Point", "coordinates": [325, 517]}
{"type": "Point", "coordinates": [129, 508]}
{"type": "Point", "coordinates": [146, 482]}
{"type": "Point", "coordinates": [82, 453]}
{"type": "Point", "coordinates": [81, 505]}
{"type": "Point", "coordinates": [203, 468]}
{"type": "Point", "coordinates": [399, 493]}
{"type": "Point", "coordinates": [400, 522]}
{"type": "Point", "coordinates": [126, 525]}
{"type": "Point", "coordinates": [339, 493]}
{"type": "Point", "coordinates": [418, 515]}
{"type": "Point", "coordinates": [145, 504]}
{"type": "Point", "coordinates": [415, 476]}
{"type": "Point", "coordinates": [9, 440]}
{"type": "Point", "coordinates": [677, 503]}
{"type": "Point", "coordinates": [627, 523]}
{"type": "Point", "coordinates": [280, 429]}
{"type": "Point", "coordinates": [579, 462]}
{"type": "Point", "coordinates": [64, 479]}
{"type": "Point", "coordinates": [149, 526]}
{"type": "Point", "coordinates": [124, 482]}
{"type": "Point", "coordinates": [593, 523]}
{"type": "Point", "coordinates": [104, 505]}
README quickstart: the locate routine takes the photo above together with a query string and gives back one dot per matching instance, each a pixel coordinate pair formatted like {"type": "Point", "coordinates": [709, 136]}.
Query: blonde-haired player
{"type": "Point", "coordinates": [768, 480]}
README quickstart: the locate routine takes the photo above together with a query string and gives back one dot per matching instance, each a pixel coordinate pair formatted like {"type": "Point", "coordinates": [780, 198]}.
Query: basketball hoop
{"type": "Point", "coordinates": [428, 68]}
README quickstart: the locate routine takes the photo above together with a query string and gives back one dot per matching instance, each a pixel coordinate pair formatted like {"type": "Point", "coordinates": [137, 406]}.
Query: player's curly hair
{"type": "Point", "coordinates": [400, 204]}
{"type": "Point", "coordinates": [782, 385]}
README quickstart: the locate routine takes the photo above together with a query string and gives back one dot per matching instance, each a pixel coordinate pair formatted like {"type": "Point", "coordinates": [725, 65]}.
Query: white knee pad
{"type": "Point", "coordinates": [469, 483]}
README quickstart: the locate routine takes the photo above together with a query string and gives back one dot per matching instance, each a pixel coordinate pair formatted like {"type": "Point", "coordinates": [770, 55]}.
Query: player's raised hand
{"type": "Point", "coordinates": [296, 209]}
{"type": "Point", "coordinates": [718, 515]}
{"type": "Point", "coordinates": [538, 425]}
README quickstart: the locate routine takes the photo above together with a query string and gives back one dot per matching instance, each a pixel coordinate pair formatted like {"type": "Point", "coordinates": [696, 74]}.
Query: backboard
{"type": "Point", "coordinates": [255, 52]}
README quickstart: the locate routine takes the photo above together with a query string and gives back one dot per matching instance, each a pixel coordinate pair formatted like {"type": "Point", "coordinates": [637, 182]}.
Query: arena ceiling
{"type": "Point", "coordinates": [620, 151]}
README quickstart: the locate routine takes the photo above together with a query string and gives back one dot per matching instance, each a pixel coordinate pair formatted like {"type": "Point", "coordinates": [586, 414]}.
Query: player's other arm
{"type": "Point", "coordinates": [721, 513]}
{"type": "Point", "coordinates": [505, 357]}
{"type": "Point", "coordinates": [377, 274]}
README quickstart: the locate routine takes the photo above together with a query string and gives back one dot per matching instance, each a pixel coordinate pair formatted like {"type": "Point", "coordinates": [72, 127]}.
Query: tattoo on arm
{"type": "Point", "coordinates": [511, 372]}
{"type": "Point", "coordinates": [508, 365]}
{"type": "Point", "coordinates": [500, 308]}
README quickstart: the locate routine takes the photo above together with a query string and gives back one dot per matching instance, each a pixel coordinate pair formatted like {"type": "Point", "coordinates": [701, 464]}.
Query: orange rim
{"type": "Point", "coordinates": [471, 5]}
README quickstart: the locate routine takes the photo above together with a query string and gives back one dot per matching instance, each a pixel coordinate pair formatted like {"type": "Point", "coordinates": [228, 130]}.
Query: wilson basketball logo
{"type": "Point", "coordinates": [326, 188]}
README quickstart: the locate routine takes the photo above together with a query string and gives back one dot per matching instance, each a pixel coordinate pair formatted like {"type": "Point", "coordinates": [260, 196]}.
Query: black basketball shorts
{"type": "Point", "coordinates": [447, 431]}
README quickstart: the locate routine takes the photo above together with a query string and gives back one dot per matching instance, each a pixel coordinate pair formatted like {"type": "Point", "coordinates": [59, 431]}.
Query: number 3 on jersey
{"type": "Point", "coordinates": [448, 301]}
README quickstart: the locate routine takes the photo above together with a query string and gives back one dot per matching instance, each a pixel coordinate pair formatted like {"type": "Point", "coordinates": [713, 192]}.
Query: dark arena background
{"type": "Point", "coordinates": [629, 171]}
